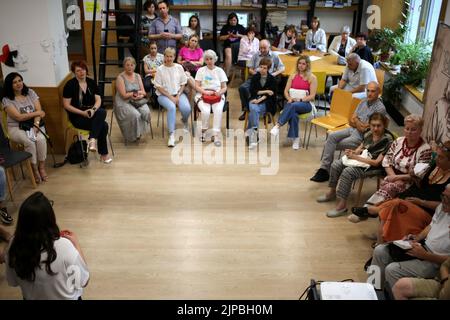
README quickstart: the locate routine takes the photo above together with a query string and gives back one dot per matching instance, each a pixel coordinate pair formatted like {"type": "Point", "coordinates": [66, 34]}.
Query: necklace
{"type": "Point", "coordinates": [437, 175]}
{"type": "Point", "coordinates": [406, 151]}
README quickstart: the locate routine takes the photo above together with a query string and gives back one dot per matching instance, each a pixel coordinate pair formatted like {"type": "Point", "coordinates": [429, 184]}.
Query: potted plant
{"type": "Point", "coordinates": [414, 59]}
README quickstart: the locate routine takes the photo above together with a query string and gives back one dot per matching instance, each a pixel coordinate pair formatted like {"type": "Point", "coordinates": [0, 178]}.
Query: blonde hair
{"type": "Point", "coordinates": [129, 59]}
{"type": "Point", "coordinates": [169, 50]}
{"type": "Point", "coordinates": [415, 119]}
{"type": "Point", "coordinates": [308, 66]}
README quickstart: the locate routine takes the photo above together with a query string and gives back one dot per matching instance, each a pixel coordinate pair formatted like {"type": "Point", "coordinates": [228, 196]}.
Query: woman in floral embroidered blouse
{"type": "Point", "coordinates": [400, 160]}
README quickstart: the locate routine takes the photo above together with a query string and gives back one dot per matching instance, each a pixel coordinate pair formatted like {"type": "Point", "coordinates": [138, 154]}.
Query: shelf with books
{"type": "Point", "coordinates": [296, 8]}
{"type": "Point", "coordinates": [350, 8]}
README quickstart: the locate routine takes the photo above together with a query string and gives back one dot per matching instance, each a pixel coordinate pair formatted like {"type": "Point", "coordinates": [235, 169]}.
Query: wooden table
{"type": "Point", "coordinates": [327, 63]}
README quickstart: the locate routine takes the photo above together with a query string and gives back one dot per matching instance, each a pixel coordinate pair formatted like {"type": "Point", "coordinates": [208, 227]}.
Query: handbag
{"type": "Point", "coordinates": [356, 163]}
{"type": "Point", "coordinates": [298, 93]}
{"type": "Point", "coordinates": [78, 151]}
{"type": "Point", "coordinates": [138, 103]}
{"type": "Point", "coordinates": [28, 124]}
{"type": "Point", "coordinates": [211, 99]}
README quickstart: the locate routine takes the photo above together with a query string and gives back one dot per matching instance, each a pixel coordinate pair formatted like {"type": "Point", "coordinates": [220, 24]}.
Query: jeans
{"type": "Point", "coordinates": [244, 94]}
{"type": "Point", "coordinates": [290, 113]}
{"type": "Point", "coordinates": [183, 105]}
{"type": "Point", "coordinates": [97, 126]}
{"type": "Point", "coordinates": [256, 111]}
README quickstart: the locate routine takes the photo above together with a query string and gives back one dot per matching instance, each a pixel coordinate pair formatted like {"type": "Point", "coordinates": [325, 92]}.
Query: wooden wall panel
{"type": "Point", "coordinates": [87, 27]}
{"type": "Point", "coordinates": [55, 118]}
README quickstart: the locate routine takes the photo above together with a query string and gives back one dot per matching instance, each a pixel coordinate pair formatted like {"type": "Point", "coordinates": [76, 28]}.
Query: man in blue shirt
{"type": "Point", "coordinates": [165, 30]}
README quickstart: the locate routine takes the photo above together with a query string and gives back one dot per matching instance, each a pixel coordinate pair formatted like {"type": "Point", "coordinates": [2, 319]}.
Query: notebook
{"type": "Point", "coordinates": [347, 291]}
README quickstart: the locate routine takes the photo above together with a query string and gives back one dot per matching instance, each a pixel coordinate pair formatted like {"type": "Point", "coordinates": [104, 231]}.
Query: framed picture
{"type": "Point", "coordinates": [437, 91]}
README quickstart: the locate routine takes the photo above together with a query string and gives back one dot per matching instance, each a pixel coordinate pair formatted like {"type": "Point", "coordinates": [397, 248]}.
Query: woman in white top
{"type": "Point", "coordinates": [343, 44]}
{"type": "Point", "coordinates": [169, 82]}
{"type": "Point", "coordinates": [47, 264]}
{"type": "Point", "coordinates": [248, 46]}
{"type": "Point", "coordinates": [316, 38]}
{"type": "Point", "coordinates": [212, 81]}
{"type": "Point", "coordinates": [193, 28]}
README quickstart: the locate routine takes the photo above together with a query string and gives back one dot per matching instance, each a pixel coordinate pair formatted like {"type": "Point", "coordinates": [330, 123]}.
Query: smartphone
{"type": "Point", "coordinates": [166, 30]}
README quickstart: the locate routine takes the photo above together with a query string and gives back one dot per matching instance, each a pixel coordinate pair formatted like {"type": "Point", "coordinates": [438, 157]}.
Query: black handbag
{"type": "Point", "coordinates": [28, 124]}
{"type": "Point", "coordinates": [78, 151]}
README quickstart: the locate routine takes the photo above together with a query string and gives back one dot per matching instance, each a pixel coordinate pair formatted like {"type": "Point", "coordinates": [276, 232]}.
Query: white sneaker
{"type": "Point", "coordinates": [296, 144]}
{"type": "Point", "coordinates": [275, 131]}
{"type": "Point", "coordinates": [253, 140]}
{"type": "Point", "coordinates": [171, 142]}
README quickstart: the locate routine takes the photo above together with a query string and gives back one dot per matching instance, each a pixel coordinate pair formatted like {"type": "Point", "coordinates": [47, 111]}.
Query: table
{"type": "Point", "coordinates": [327, 63]}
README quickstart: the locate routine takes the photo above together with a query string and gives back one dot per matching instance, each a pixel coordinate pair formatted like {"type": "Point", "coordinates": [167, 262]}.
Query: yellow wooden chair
{"type": "Point", "coordinates": [355, 103]}
{"type": "Point", "coordinates": [321, 83]}
{"type": "Point", "coordinates": [340, 109]}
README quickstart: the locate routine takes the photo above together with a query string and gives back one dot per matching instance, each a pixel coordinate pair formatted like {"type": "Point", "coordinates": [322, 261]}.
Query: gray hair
{"type": "Point", "coordinates": [264, 41]}
{"type": "Point", "coordinates": [129, 58]}
{"type": "Point", "coordinates": [354, 57]}
{"type": "Point", "coordinates": [210, 54]}
{"type": "Point", "coordinates": [416, 119]}
{"type": "Point", "coordinates": [345, 29]}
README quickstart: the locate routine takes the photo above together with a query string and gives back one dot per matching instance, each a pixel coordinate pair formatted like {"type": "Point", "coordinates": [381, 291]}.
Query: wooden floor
{"type": "Point", "coordinates": [151, 229]}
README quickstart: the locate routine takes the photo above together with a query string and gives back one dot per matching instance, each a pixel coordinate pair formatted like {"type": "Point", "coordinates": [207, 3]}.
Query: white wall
{"type": "Point", "coordinates": [25, 25]}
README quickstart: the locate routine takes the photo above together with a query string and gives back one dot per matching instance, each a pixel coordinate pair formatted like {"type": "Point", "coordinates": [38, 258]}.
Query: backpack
{"type": "Point", "coordinates": [78, 151]}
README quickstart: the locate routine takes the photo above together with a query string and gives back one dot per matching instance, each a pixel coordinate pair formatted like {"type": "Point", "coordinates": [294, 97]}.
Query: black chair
{"type": "Point", "coordinates": [13, 158]}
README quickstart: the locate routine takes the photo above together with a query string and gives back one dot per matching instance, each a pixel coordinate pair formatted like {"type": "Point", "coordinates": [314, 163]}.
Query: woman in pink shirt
{"type": "Point", "coordinates": [300, 90]}
{"type": "Point", "coordinates": [191, 56]}
{"type": "Point", "coordinates": [248, 46]}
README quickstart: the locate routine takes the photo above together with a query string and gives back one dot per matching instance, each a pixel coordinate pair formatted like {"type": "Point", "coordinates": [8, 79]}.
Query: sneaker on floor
{"type": "Point", "coordinates": [242, 116]}
{"type": "Point", "coordinates": [171, 141]}
{"type": "Point", "coordinates": [186, 126]}
{"type": "Point", "coordinates": [5, 217]}
{"type": "Point", "coordinates": [253, 140]}
{"type": "Point", "coordinates": [296, 144]}
{"type": "Point", "coordinates": [321, 176]}
{"type": "Point", "coordinates": [336, 213]}
{"type": "Point", "coordinates": [275, 131]}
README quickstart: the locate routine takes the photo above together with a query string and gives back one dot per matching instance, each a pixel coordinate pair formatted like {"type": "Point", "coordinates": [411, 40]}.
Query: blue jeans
{"type": "Point", "coordinates": [2, 184]}
{"type": "Point", "coordinates": [244, 94]}
{"type": "Point", "coordinates": [290, 113]}
{"type": "Point", "coordinates": [183, 105]}
{"type": "Point", "coordinates": [256, 111]}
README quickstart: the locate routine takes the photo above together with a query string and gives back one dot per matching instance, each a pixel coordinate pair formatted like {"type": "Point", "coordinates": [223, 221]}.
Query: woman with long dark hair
{"type": "Point", "coordinates": [22, 106]}
{"type": "Point", "coordinates": [45, 262]}
{"type": "Point", "coordinates": [231, 35]}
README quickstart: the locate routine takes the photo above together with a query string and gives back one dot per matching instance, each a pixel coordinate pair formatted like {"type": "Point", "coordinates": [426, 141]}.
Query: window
{"type": "Point", "coordinates": [423, 20]}
{"type": "Point", "coordinates": [184, 17]}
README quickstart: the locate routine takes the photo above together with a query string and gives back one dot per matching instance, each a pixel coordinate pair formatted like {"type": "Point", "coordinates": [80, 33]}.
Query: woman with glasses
{"type": "Point", "coordinates": [45, 262]}
{"type": "Point", "coordinates": [412, 211]}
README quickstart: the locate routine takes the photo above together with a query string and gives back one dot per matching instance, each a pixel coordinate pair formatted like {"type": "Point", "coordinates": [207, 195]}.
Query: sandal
{"type": "Point", "coordinates": [43, 174]}
{"type": "Point", "coordinates": [37, 176]}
